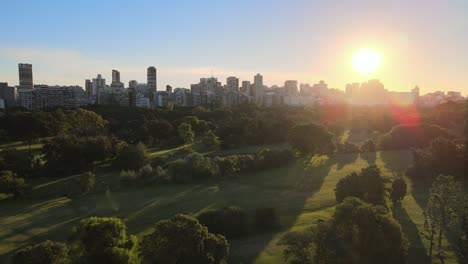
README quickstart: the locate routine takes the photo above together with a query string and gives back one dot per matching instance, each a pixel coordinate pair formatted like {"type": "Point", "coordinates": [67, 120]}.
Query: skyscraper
{"type": "Point", "coordinates": [152, 79]}
{"type": "Point", "coordinates": [7, 93]}
{"type": "Point", "coordinates": [232, 84]}
{"type": "Point", "coordinates": [88, 88]}
{"type": "Point", "coordinates": [246, 87]}
{"type": "Point", "coordinates": [258, 88]}
{"type": "Point", "coordinates": [115, 76]}
{"type": "Point", "coordinates": [25, 76]}
{"type": "Point", "coordinates": [98, 84]}
{"type": "Point", "coordinates": [291, 86]}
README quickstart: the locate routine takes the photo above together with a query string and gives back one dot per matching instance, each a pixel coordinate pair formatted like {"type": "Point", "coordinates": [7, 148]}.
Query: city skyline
{"type": "Point", "coordinates": [283, 41]}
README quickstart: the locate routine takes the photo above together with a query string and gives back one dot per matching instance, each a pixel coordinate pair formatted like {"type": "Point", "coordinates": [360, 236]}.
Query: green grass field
{"type": "Point", "coordinates": [302, 193]}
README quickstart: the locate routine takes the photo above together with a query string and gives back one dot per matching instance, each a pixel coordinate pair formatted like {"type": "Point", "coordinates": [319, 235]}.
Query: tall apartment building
{"type": "Point", "coordinates": [25, 76]}
{"type": "Point", "coordinates": [232, 84]}
{"type": "Point", "coordinates": [98, 83]}
{"type": "Point", "coordinates": [116, 79]}
{"type": "Point", "coordinates": [88, 88]}
{"type": "Point", "coordinates": [258, 88]}
{"type": "Point", "coordinates": [7, 93]}
{"type": "Point", "coordinates": [291, 86]}
{"type": "Point", "coordinates": [245, 89]}
{"type": "Point", "coordinates": [152, 80]}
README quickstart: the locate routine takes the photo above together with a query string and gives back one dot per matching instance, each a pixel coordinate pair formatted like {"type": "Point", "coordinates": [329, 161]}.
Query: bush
{"type": "Point", "coordinates": [231, 222]}
{"type": "Point", "coordinates": [194, 168]}
{"type": "Point", "coordinates": [266, 219]}
{"type": "Point", "coordinates": [146, 175]}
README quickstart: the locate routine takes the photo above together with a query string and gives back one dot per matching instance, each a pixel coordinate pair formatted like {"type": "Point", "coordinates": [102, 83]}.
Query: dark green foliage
{"type": "Point", "coordinates": [311, 246]}
{"type": "Point", "coordinates": [368, 146]}
{"type": "Point", "coordinates": [404, 137]}
{"type": "Point", "coordinates": [231, 222]}
{"type": "Point", "coordinates": [186, 133]}
{"type": "Point", "coordinates": [398, 190]}
{"type": "Point", "coordinates": [347, 147]}
{"type": "Point", "coordinates": [227, 166]}
{"type": "Point", "coordinates": [65, 155]}
{"type": "Point", "coordinates": [131, 157]}
{"type": "Point", "coordinates": [102, 240]}
{"type": "Point", "coordinates": [308, 138]}
{"type": "Point", "coordinates": [358, 233]}
{"type": "Point", "coordinates": [195, 167]}
{"type": "Point", "coordinates": [440, 157]}
{"type": "Point", "coordinates": [47, 252]}
{"type": "Point", "coordinates": [266, 219]}
{"type": "Point", "coordinates": [11, 183]}
{"type": "Point", "coordinates": [19, 162]}
{"type": "Point", "coordinates": [368, 185]}
{"type": "Point", "coordinates": [182, 239]}
{"type": "Point", "coordinates": [146, 175]}
{"type": "Point", "coordinates": [268, 159]}
{"type": "Point", "coordinates": [211, 141]}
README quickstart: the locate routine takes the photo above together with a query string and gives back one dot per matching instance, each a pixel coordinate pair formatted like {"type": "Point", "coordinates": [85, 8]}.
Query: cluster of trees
{"type": "Point", "coordinates": [181, 239]}
{"type": "Point", "coordinates": [361, 220]}
{"type": "Point", "coordinates": [196, 167]}
{"type": "Point", "coordinates": [358, 232]}
{"type": "Point", "coordinates": [235, 222]}
{"type": "Point", "coordinates": [405, 136]}
{"type": "Point", "coordinates": [442, 156]}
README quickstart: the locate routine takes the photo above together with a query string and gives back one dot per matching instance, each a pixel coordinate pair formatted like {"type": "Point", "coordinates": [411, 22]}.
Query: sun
{"type": "Point", "coordinates": [366, 61]}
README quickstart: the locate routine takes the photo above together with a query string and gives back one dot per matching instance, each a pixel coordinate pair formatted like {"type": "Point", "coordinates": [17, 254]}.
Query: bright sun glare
{"type": "Point", "coordinates": [366, 61]}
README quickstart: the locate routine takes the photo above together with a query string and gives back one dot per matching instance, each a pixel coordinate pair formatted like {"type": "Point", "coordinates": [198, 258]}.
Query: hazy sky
{"type": "Point", "coordinates": [421, 42]}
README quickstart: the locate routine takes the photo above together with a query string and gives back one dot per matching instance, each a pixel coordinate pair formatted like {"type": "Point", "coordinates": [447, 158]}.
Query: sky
{"type": "Point", "coordinates": [422, 43]}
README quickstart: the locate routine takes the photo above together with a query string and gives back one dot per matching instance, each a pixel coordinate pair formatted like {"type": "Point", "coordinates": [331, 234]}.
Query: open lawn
{"type": "Point", "coordinates": [302, 193]}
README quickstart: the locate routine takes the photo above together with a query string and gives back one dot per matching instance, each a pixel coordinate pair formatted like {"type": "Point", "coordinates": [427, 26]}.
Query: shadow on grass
{"type": "Point", "coordinates": [285, 189]}
{"type": "Point", "coordinates": [416, 251]}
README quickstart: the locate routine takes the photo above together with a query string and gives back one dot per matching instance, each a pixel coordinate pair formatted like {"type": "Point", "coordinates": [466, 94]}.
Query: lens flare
{"type": "Point", "coordinates": [366, 61]}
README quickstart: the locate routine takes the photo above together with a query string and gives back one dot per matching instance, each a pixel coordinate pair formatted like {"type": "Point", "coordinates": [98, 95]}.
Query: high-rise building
{"type": "Point", "coordinates": [258, 88]}
{"type": "Point", "coordinates": [152, 79]}
{"type": "Point", "coordinates": [291, 86]}
{"type": "Point", "coordinates": [7, 93]}
{"type": "Point", "coordinates": [25, 76]}
{"type": "Point", "coordinates": [88, 88]}
{"type": "Point", "coordinates": [246, 88]}
{"type": "Point", "coordinates": [115, 76]}
{"type": "Point", "coordinates": [168, 88]}
{"type": "Point", "coordinates": [132, 84]}
{"type": "Point", "coordinates": [98, 84]}
{"type": "Point", "coordinates": [232, 84]}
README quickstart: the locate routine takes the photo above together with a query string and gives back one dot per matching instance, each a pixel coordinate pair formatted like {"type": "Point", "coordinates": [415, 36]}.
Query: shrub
{"type": "Point", "coordinates": [368, 185]}
{"type": "Point", "coordinates": [347, 147]}
{"type": "Point", "coordinates": [398, 190]}
{"type": "Point", "coordinates": [10, 183]}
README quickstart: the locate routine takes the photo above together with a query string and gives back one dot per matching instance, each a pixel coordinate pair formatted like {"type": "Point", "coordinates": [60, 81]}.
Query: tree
{"type": "Point", "coordinates": [398, 190]}
{"type": "Point", "coordinates": [368, 146]}
{"type": "Point", "coordinates": [441, 211]}
{"type": "Point", "coordinates": [308, 138]}
{"type": "Point", "coordinates": [47, 252]}
{"type": "Point", "coordinates": [312, 245]}
{"type": "Point", "coordinates": [368, 185]}
{"type": "Point", "coordinates": [87, 182]}
{"type": "Point", "coordinates": [131, 157]}
{"type": "Point", "coordinates": [103, 240]}
{"type": "Point", "coordinates": [182, 239]}
{"type": "Point", "coordinates": [186, 133]}
{"type": "Point", "coordinates": [211, 141]}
